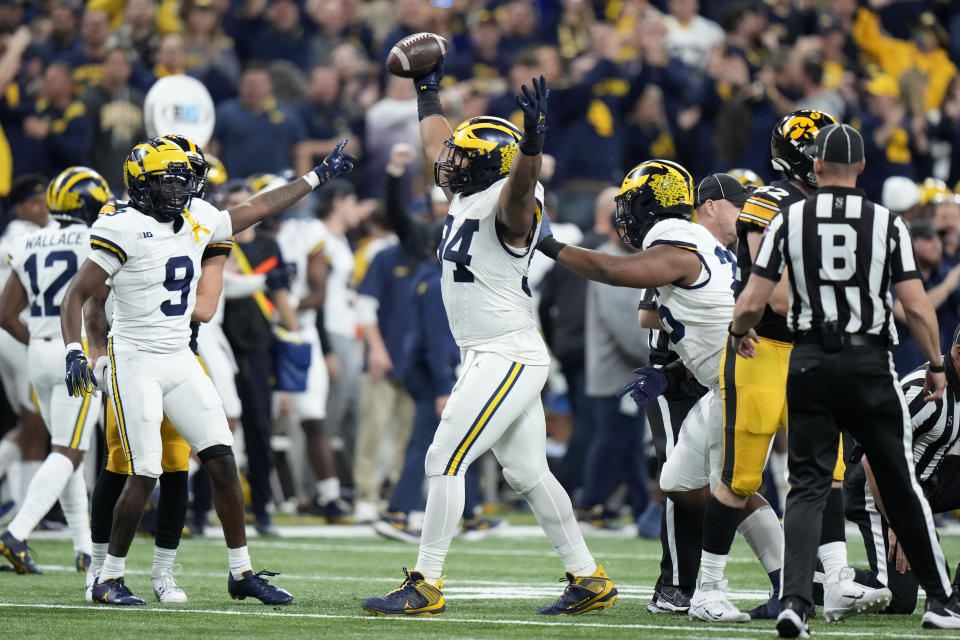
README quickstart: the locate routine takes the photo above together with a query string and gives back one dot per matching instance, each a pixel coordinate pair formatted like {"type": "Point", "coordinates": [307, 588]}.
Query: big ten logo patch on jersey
{"type": "Point", "coordinates": [144, 234]}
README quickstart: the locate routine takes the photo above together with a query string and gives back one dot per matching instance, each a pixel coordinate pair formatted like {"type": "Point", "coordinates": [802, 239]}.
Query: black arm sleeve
{"type": "Point", "coordinates": [396, 208]}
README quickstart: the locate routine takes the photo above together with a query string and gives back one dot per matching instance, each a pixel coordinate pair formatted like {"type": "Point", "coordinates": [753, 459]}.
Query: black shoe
{"type": "Point", "coordinates": [254, 586]}
{"type": "Point", "coordinates": [791, 622]}
{"type": "Point", "coordinates": [337, 512]}
{"type": "Point", "coordinates": [942, 614]}
{"type": "Point", "coordinates": [769, 610]}
{"type": "Point", "coordinates": [18, 553]}
{"type": "Point", "coordinates": [265, 527]}
{"type": "Point", "coordinates": [669, 599]}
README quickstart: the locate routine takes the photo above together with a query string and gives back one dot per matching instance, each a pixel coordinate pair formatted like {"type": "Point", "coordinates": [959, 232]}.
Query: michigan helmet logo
{"type": "Point", "coordinates": [480, 152]}
{"type": "Point", "coordinates": [652, 190]}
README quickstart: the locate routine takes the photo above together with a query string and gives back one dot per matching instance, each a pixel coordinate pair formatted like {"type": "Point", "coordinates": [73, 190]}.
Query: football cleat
{"type": "Point", "coordinates": [166, 588]}
{"type": "Point", "coordinates": [710, 604]}
{"type": "Point", "coordinates": [942, 615]}
{"type": "Point", "coordinates": [18, 553]}
{"type": "Point", "coordinates": [479, 528]}
{"type": "Point", "coordinates": [394, 526]}
{"type": "Point", "coordinates": [669, 599]}
{"type": "Point", "coordinates": [253, 585]}
{"type": "Point", "coordinates": [415, 597]}
{"type": "Point", "coordinates": [769, 610]}
{"type": "Point", "coordinates": [846, 598]}
{"type": "Point", "coordinates": [599, 517]}
{"type": "Point", "coordinates": [366, 512]}
{"type": "Point", "coordinates": [90, 578]}
{"type": "Point", "coordinates": [337, 512]}
{"type": "Point", "coordinates": [114, 591]}
{"type": "Point", "coordinates": [265, 527]}
{"type": "Point", "coordinates": [791, 623]}
{"type": "Point", "coordinates": [82, 562]}
{"type": "Point", "coordinates": [583, 593]}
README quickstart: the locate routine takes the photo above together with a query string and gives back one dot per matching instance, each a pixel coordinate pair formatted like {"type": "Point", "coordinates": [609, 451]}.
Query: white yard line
{"type": "Point", "coordinates": [440, 620]}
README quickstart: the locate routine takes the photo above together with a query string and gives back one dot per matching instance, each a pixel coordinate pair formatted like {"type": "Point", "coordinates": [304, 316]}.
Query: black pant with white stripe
{"type": "Point", "coordinates": [856, 387]}
{"type": "Point", "coordinates": [680, 530]}
{"type": "Point", "coordinates": [943, 493]}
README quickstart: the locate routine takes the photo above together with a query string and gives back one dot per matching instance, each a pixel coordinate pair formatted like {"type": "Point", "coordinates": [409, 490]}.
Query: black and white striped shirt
{"type": "Point", "coordinates": [844, 252]}
{"type": "Point", "coordinates": [936, 424]}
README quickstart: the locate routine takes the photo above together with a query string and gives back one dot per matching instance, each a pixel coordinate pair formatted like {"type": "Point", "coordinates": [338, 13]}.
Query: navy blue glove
{"type": "Point", "coordinates": [335, 164]}
{"type": "Point", "coordinates": [194, 332]}
{"type": "Point", "coordinates": [431, 81]}
{"type": "Point", "coordinates": [79, 379]}
{"type": "Point", "coordinates": [650, 383]}
{"type": "Point", "coordinates": [534, 105]}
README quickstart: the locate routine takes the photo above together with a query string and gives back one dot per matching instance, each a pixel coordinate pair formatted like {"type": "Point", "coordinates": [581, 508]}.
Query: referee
{"type": "Point", "coordinates": [843, 254]}
{"type": "Point", "coordinates": [936, 433]}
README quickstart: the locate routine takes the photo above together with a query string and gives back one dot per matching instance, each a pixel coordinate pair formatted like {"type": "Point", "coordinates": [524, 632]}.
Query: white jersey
{"type": "Point", "coordinates": [340, 303]}
{"type": "Point", "coordinates": [696, 316]}
{"type": "Point", "coordinates": [299, 240]}
{"type": "Point", "coordinates": [15, 230]}
{"type": "Point", "coordinates": [484, 283]}
{"type": "Point", "coordinates": [154, 271]}
{"type": "Point", "coordinates": [45, 261]}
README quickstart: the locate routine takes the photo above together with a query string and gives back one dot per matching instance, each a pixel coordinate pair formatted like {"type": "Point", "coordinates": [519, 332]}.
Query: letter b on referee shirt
{"type": "Point", "coordinates": [838, 246]}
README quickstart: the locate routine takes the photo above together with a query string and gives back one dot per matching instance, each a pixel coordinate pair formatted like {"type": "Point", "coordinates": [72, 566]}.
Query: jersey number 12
{"type": "Point", "coordinates": [49, 307]}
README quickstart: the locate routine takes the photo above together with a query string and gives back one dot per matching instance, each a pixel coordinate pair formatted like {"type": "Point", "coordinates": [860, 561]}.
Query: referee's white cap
{"type": "Point", "coordinates": [839, 143]}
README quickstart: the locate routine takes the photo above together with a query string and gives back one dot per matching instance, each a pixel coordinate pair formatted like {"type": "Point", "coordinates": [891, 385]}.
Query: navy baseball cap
{"type": "Point", "coordinates": [721, 186]}
{"type": "Point", "coordinates": [839, 143]}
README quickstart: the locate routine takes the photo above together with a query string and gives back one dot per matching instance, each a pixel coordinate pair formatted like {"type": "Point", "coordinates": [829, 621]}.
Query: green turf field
{"type": "Point", "coordinates": [494, 589]}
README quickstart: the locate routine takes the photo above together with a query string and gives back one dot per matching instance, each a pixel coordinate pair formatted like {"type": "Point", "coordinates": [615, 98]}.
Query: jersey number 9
{"type": "Point", "coordinates": [178, 284]}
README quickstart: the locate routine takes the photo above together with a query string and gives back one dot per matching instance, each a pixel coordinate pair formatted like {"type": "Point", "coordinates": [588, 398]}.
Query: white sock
{"type": "Point", "coordinates": [445, 498]}
{"type": "Point", "coordinates": [9, 455]}
{"type": "Point", "coordinates": [239, 559]}
{"type": "Point", "coordinates": [711, 567]}
{"type": "Point", "coordinates": [98, 554]}
{"type": "Point", "coordinates": [43, 492]}
{"type": "Point", "coordinates": [163, 560]}
{"type": "Point", "coordinates": [28, 469]}
{"type": "Point", "coordinates": [75, 505]}
{"type": "Point", "coordinates": [328, 490]}
{"type": "Point", "coordinates": [113, 567]}
{"type": "Point", "coordinates": [762, 531]}
{"type": "Point", "coordinates": [551, 505]}
{"type": "Point", "coordinates": [778, 467]}
{"type": "Point", "coordinates": [833, 555]}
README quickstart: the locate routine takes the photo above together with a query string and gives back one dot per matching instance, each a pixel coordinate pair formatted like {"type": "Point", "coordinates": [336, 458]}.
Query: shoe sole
{"type": "Point", "coordinates": [435, 612]}
{"type": "Point", "coordinates": [786, 629]}
{"type": "Point", "coordinates": [656, 608]}
{"type": "Point", "coordinates": [862, 606]}
{"type": "Point", "coordinates": [693, 616]}
{"type": "Point", "coordinates": [272, 604]}
{"type": "Point", "coordinates": [178, 601]}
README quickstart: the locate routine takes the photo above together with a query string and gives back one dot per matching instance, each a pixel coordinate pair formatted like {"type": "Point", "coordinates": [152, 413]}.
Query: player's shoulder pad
{"type": "Point", "coordinates": [673, 231]}
{"type": "Point", "coordinates": [203, 210]}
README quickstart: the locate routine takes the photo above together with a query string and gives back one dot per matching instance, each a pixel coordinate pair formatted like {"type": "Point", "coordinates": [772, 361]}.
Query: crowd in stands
{"type": "Point", "coordinates": [698, 83]}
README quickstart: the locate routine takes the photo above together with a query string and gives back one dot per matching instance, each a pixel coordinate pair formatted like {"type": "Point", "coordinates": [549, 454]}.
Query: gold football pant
{"type": "Point", "coordinates": [754, 406]}
{"type": "Point", "coordinates": [176, 451]}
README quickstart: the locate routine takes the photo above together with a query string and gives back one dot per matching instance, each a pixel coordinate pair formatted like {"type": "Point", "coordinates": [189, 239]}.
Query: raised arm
{"type": "Point", "coordinates": [434, 128]}
{"type": "Point", "coordinates": [655, 267]}
{"type": "Point", "coordinates": [269, 203]}
{"type": "Point", "coordinates": [518, 203]}
{"type": "Point", "coordinates": [12, 302]}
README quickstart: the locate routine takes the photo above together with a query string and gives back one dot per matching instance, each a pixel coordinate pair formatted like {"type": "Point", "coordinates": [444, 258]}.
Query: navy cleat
{"type": "Point", "coordinates": [114, 591]}
{"type": "Point", "coordinates": [254, 586]}
{"type": "Point", "coordinates": [584, 593]}
{"type": "Point", "coordinates": [18, 553]}
{"type": "Point", "coordinates": [415, 597]}
{"type": "Point", "coordinates": [394, 526]}
{"type": "Point", "coordinates": [82, 562]}
{"type": "Point", "coordinates": [668, 598]}
{"type": "Point", "coordinates": [769, 610]}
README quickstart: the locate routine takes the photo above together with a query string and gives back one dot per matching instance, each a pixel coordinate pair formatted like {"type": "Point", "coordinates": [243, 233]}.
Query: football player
{"type": "Point", "coordinates": [490, 171]}
{"type": "Point", "coordinates": [43, 263]}
{"type": "Point", "coordinates": [754, 391]}
{"type": "Point", "coordinates": [174, 492]}
{"type": "Point", "coordinates": [150, 250]}
{"type": "Point", "coordinates": [23, 447]}
{"type": "Point", "coordinates": [693, 273]}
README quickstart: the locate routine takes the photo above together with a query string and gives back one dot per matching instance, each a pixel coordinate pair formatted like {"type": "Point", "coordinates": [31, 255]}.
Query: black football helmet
{"type": "Point", "coordinates": [791, 144]}
{"type": "Point", "coordinates": [652, 190]}
{"type": "Point", "coordinates": [198, 161]}
{"type": "Point", "coordinates": [159, 178]}
{"type": "Point", "coordinates": [76, 195]}
{"type": "Point", "coordinates": [480, 152]}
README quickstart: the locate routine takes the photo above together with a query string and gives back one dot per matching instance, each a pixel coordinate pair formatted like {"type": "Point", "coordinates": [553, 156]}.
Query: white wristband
{"type": "Point", "coordinates": [312, 179]}
{"type": "Point", "coordinates": [74, 346]}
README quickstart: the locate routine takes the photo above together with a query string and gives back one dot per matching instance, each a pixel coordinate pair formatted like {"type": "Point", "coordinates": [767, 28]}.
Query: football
{"type": "Point", "coordinates": [416, 55]}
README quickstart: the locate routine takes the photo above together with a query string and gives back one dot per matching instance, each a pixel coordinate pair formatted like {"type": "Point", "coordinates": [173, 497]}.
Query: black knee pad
{"type": "Point", "coordinates": [216, 451]}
